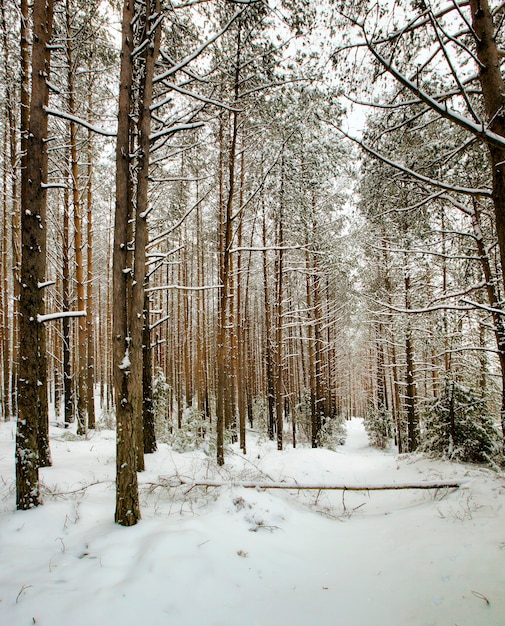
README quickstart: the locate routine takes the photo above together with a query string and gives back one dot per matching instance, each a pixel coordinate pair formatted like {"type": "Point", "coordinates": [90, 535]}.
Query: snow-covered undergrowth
{"type": "Point", "coordinates": [229, 555]}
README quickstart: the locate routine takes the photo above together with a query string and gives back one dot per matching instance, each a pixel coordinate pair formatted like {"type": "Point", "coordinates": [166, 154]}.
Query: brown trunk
{"type": "Point", "coordinates": [410, 390]}
{"type": "Point", "coordinates": [90, 334]}
{"type": "Point", "coordinates": [493, 88]}
{"type": "Point", "coordinates": [223, 382]}
{"type": "Point", "coordinates": [31, 413]}
{"type": "Point", "coordinates": [240, 332]}
{"type": "Point", "coordinates": [68, 411]}
{"type": "Point", "coordinates": [127, 500]}
{"type": "Point", "coordinates": [9, 325]}
{"type": "Point", "coordinates": [4, 298]}
{"type": "Point", "coordinates": [315, 422]}
{"type": "Point", "coordinates": [396, 402]}
{"type": "Point", "coordinates": [147, 373]}
{"type": "Point", "coordinates": [279, 269]}
{"type": "Point", "coordinates": [137, 315]}
{"type": "Point", "coordinates": [494, 302]}
{"type": "Point", "coordinates": [81, 395]}
{"type": "Point", "coordinates": [270, 387]}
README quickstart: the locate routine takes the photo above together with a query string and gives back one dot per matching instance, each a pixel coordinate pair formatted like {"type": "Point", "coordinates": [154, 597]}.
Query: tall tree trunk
{"type": "Point", "coordinates": [222, 361]}
{"type": "Point", "coordinates": [493, 88]}
{"type": "Point", "coordinates": [410, 389]}
{"type": "Point", "coordinates": [31, 412]}
{"type": "Point", "coordinates": [147, 373]}
{"type": "Point", "coordinates": [279, 270]}
{"type": "Point", "coordinates": [315, 425]}
{"type": "Point", "coordinates": [270, 387]}
{"type": "Point", "coordinates": [81, 379]}
{"type": "Point", "coordinates": [68, 410]}
{"type": "Point", "coordinates": [90, 334]}
{"type": "Point", "coordinates": [127, 497]}
{"type": "Point", "coordinates": [4, 298]}
{"type": "Point", "coordinates": [240, 335]}
{"type": "Point", "coordinates": [10, 169]}
{"type": "Point", "coordinates": [396, 402]}
{"type": "Point", "coordinates": [495, 303]}
{"type": "Point", "coordinates": [137, 314]}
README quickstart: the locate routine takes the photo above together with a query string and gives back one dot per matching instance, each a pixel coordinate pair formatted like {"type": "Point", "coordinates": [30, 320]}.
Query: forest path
{"type": "Point", "coordinates": [357, 439]}
{"type": "Point", "coordinates": [217, 557]}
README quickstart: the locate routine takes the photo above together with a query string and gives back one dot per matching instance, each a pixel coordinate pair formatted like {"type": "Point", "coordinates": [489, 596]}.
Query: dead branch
{"type": "Point", "coordinates": [447, 484]}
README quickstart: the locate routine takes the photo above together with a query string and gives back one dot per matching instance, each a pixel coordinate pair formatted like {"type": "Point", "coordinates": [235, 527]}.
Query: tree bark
{"type": "Point", "coordinates": [68, 410]}
{"type": "Point", "coordinates": [127, 499]}
{"type": "Point", "coordinates": [270, 387]}
{"type": "Point", "coordinates": [81, 378]}
{"type": "Point", "coordinates": [90, 327]}
{"type": "Point", "coordinates": [279, 293]}
{"type": "Point", "coordinates": [138, 318]}
{"type": "Point", "coordinates": [31, 412]}
{"type": "Point", "coordinates": [493, 88]}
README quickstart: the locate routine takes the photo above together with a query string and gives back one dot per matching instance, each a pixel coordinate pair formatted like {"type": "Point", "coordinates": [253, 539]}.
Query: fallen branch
{"type": "Point", "coordinates": [448, 484]}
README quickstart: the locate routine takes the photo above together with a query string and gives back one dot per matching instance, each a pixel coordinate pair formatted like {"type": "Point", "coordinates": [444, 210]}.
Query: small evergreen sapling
{"type": "Point", "coordinates": [457, 425]}
{"type": "Point", "coordinates": [379, 427]}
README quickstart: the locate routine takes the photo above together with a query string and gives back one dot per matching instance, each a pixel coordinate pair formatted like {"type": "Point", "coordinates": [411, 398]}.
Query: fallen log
{"type": "Point", "coordinates": [445, 484]}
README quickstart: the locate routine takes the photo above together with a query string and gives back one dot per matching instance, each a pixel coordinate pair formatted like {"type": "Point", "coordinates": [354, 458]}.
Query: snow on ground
{"type": "Point", "coordinates": [229, 555]}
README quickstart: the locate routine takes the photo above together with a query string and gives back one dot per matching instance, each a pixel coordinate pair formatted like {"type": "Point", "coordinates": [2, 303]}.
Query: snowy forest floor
{"type": "Point", "coordinates": [229, 555]}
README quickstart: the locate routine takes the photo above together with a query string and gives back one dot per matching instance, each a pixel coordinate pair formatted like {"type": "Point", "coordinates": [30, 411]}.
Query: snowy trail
{"type": "Point", "coordinates": [356, 440]}
{"type": "Point", "coordinates": [228, 556]}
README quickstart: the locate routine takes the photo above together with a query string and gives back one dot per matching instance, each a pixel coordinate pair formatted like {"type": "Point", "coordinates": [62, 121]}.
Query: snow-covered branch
{"type": "Point", "coordinates": [182, 288]}
{"type": "Point", "coordinates": [175, 129]}
{"type": "Point", "coordinates": [49, 317]}
{"type": "Point", "coordinates": [265, 248]}
{"type": "Point", "coordinates": [80, 121]}
{"type": "Point", "coordinates": [428, 309]}
{"type": "Point", "coordinates": [438, 484]}
{"type": "Point", "coordinates": [479, 305]}
{"type": "Point", "coordinates": [168, 232]}
{"type": "Point", "coordinates": [430, 181]}
{"type": "Point", "coordinates": [443, 110]}
{"type": "Point", "coordinates": [196, 53]}
{"type": "Point", "coordinates": [192, 94]}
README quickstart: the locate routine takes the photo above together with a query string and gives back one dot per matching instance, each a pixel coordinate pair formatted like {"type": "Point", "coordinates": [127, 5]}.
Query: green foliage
{"type": "Point", "coordinates": [192, 433]}
{"type": "Point", "coordinates": [379, 427]}
{"type": "Point", "coordinates": [332, 434]}
{"type": "Point", "coordinates": [161, 400]}
{"type": "Point", "coordinates": [457, 426]}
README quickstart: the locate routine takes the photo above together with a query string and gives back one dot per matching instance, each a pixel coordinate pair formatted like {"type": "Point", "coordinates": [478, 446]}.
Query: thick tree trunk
{"type": "Point", "coordinates": [31, 413]}
{"type": "Point", "coordinates": [493, 88]}
{"type": "Point", "coordinates": [127, 499]}
{"type": "Point", "coordinates": [138, 318]}
{"type": "Point", "coordinates": [494, 302]}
